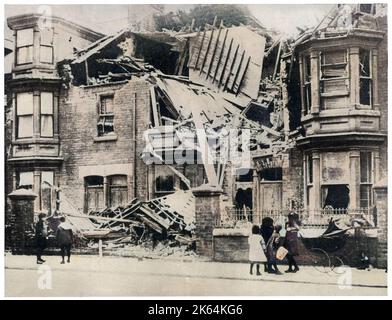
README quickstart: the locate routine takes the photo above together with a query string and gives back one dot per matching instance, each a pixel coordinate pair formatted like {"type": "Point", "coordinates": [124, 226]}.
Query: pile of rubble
{"type": "Point", "coordinates": [160, 227]}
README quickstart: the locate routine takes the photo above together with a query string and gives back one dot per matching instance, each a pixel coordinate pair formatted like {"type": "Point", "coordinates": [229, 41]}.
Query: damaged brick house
{"type": "Point", "coordinates": [89, 109]}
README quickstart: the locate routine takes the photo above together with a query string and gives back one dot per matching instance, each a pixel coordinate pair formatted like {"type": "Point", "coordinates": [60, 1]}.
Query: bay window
{"type": "Point", "coordinates": [24, 114]}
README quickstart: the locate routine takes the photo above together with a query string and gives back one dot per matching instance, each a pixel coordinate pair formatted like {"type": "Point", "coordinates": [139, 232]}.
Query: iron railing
{"type": "Point", "coordinates": [367, 217]}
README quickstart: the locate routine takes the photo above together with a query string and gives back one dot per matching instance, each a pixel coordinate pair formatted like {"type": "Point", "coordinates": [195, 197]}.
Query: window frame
{"type": "Point", "coordinates": [46, 45]}
{"type": "Point", "coordinates": [51, 115]}
{"type": "Point", "coordinates": [368, 182]}
{"type": "Point", "coordinates": [30, 115]}
{"type": "Point", "coordinates": [345, 78]}
{"type": "Point", "coordinates": [306, 84]}
{"type": "Point", "coordinates": [369, 78]}
{"type": "Point", "coordinates": [104, 116]}
{"type": "Point", "coordinates": [31, 46]}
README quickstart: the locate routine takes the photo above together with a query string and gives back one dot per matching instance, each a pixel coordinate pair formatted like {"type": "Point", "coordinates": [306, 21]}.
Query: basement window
{"type": "Point", "coordinates": [336, 197]}
{"type": "Point", "coordinates": [365, 77]}
{"type": "Point", "coordinates": [106, 116]}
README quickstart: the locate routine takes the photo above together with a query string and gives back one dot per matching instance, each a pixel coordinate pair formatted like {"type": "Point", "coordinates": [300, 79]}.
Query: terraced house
{"type": "Point", "coordinates": [100, 117]}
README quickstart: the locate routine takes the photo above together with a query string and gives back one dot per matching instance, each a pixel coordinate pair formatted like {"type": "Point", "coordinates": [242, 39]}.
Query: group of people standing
{"type": "Point", "coordinates": [64, 238]}
{"type": "Point", "coordinates": [267, 245]}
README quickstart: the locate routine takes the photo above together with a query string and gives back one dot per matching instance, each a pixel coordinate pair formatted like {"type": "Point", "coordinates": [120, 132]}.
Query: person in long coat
{"type": "Point", "coordinates": [41, 235]}
{"type": "Point", "coordinates": [64, 237]}
{"type": "Point", "coordinates": [266, 231]}
{"type": "Point", "coordinates": [291, 242]}
{"type": "Point", "coordinates": [256, 250]}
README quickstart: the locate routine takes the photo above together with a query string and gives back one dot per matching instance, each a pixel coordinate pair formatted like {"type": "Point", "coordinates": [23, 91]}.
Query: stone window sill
{"type": "Point", "coordinates": [112, 137]}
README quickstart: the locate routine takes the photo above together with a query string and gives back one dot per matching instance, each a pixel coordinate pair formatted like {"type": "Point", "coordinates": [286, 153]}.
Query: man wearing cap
{"type": "Point", "coordinates": [41, 234]}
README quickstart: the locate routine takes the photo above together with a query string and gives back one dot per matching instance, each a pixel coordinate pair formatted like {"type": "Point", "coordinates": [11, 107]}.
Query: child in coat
{"type": "Point", "coordinates": [256, 250]}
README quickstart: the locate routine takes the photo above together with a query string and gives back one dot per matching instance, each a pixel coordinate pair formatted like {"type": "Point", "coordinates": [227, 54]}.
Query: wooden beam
{"type": "Point", "coordinates": [201, 46]}
{"type": "Point", "coordinates": [243, 76]}
{"type": "Point", "coordinates": [154, 106]}
{"type": "Point", "coordinates": [225, 64]}
{"type": "Point", "coordinates": [208, 49]}
{"type": "Point", "coordinates": [277, 60]}
{"type": "Point", "coordinates": [238, 70]}
{"type": "Point", "coordinates": [220, 55]}
{"type": "Point", "coordinates": [231, 66]}
{"type": "Point", "coordinates": [213, 53]}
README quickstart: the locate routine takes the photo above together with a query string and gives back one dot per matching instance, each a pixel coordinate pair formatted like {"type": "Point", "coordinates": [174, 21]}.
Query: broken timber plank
{"type": "Point", "coordinates": [220, 56]}
{"type": "Point", "coordinates": [229, 73]}
{"type": "Point", "coordinates": [213, 53]}
{"type": "Point", "coordinates": [236, 73]}
{"type": "Point", "coordinates": [225, 64]}
{"type": "Point", "coordinates": [207, 50]}
{"type": "Point", "coordinates": [155, 108]}
{"type": "Point", "coordinates": [201, 47]}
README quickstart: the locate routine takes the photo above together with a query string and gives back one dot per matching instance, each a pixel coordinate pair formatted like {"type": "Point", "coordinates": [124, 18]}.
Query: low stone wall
{"type": "Point", "coordinates": [230, 245]}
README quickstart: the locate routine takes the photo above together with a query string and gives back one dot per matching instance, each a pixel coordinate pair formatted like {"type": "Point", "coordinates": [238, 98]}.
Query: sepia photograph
{"type": "Point", "coordinates": [195, 150]}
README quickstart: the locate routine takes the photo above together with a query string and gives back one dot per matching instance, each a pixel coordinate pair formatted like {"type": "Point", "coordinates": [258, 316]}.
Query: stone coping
{"type": "Point", "coordinates": [230, 232]}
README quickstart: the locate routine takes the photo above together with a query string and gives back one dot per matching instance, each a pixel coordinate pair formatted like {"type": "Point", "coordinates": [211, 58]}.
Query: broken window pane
{"type": "Point", "coordinates": [364, 62]}
{"type": "Point", "coordinates": [334, 57]}
{"type": "Point", "coordinates": [105, 125]}
{"type": "Point", "coordinates": [365, 92]}
{"type": "Point", "coordinates": [24, 37]}
{"type": "Point", "coordinates": [25, 180]}
{"type": "Point", "coordinates": [106, 104]}
{"type": "Point", "coordinates": [47, 176]}
{"type": "Point", "coordinates": [46, 54]}
{"type": "Point", "coordinates": [366, 8]}
{"type": "Point", "coordinates": [365, 81]}
{"type": "Point", "coordinates": [307, 99]}
{"type": "Point", "coordinates": [336, 196]}
{"type": "Point", "coordinates": [164, 183]}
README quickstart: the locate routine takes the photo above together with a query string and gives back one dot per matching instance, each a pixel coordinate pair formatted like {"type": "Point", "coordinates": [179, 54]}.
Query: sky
{"type": "Point", "coordinates": [111, 18]}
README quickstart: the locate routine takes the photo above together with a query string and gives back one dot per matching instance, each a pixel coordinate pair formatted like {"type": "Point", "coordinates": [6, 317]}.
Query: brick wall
{"type": "Point", "coordinates": [292, 175]}
{"type": "Point", "coordinates": [231, 245]}
{"type": "Point", "coordinates": [383, 91]}
{"type": "Point", "coordinates": [206, 214]}
{"type": "Point", "coordinates": [78, 116]}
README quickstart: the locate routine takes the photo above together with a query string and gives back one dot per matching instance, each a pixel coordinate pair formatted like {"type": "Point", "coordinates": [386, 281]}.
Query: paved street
{"type": "Point", "coordinates": [89, 276]}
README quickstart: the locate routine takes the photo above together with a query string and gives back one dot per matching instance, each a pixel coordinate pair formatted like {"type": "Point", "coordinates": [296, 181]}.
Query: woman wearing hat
{"type": "Point", "coordinates": [291, 241]}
